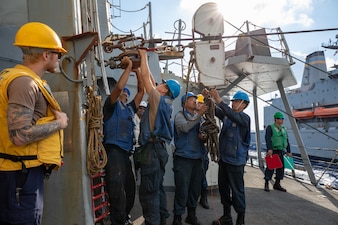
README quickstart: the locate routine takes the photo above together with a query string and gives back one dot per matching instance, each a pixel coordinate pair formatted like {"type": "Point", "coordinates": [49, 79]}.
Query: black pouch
{"type": "Point", "coordinates": [137, 157]}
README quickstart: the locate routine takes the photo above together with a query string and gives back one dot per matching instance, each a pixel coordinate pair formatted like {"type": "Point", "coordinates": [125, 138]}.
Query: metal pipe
{"type": "Point", "coordinates": [305, 157]}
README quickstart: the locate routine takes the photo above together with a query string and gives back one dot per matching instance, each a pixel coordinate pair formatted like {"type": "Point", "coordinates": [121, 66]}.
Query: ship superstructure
{"type": "Point", "coordinates": [90, 69]}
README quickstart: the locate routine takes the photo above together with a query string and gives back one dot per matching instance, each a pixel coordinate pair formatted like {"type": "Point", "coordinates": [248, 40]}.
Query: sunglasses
{"type": "Point", "coordinates": [58, 53]}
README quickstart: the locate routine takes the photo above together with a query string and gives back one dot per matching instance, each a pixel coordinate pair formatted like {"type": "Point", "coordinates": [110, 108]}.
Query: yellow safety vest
{"type": "Point", "coordinates": [48, 151]}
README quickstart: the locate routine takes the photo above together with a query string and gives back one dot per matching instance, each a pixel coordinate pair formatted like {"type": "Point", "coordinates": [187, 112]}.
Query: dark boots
{"type": "Point", "coordinates": [266, 186]}
{"type": "Point", "coordinates": [163, 221]}
{"type": "Point", "coordinates": [128, 220]}
{"type": "Point", "coordinates": [240, 219]}
{"type": "Point", "coordinates": [226, 219]}
{"type": "Point", "coordinates": [204, 199]}
{"type": "Point", "coordinates": [191, 218]}
{"type": "Point", "coordinates": [177, 220]}
{"type": "Point", "coordinates": [277, 186]}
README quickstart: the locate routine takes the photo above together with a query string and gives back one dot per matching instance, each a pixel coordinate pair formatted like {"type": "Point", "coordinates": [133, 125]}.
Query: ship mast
{"type": "Point", "coordinates": [334, 46]}
{"type": "Point", "coordinates": [331, 45]}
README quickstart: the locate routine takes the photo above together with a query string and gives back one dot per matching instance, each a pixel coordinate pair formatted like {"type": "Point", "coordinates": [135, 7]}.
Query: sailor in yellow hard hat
{"type": "Point", "coordinates": [205, 161]}
{"type": "Point", "coordinates": [31, 123]}
{"type": "Point", "coordinates": [199, 101]}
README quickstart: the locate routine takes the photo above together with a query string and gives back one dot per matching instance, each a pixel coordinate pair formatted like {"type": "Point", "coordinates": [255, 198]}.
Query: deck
{"type": "Point", "coordinates": [302, 204]}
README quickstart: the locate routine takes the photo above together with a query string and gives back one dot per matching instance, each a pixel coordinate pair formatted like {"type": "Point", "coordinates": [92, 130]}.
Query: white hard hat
{"type": "Point", "coordinates": [226, 99]}
{"type": "Point", "coordinates": [143, 104]}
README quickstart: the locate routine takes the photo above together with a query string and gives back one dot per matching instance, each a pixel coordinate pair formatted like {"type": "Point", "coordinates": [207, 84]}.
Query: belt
{"type": "Point", "coordinates": [16, 158]}
{"type": "Point", "coordinates": [155, 140]}
{"type": "Point", "coordinates": [117, 148]}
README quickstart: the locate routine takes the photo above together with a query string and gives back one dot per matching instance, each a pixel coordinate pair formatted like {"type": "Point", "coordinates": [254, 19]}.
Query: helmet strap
{"type": "Point", "coordinates": [239, 105]}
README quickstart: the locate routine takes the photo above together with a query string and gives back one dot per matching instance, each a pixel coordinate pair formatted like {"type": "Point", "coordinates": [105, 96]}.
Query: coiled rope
{"type": "Point", "coordinates": [96, 153]}
{"type": "Point", "coordinates": [211, 128]}
{"type": "Point", "coordinates": [209, 125]}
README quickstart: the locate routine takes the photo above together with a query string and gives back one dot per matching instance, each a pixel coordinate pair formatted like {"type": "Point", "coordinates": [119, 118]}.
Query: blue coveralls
{"type": "Point", "coordinates": [153, 159]}
{"type": "Point", "coordinates": [234, 145]}
{"type": "Point", "coordinates": [118, 142]}
{"type": "Point", "coordinates": [188, 168]}
{"type": "Point", "coordinates": [205, 167]}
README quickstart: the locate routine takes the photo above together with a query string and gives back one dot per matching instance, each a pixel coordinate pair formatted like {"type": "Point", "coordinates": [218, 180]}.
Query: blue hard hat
{"type": "Point", "coordinates": [126, 90]}
{"type": "Point", "coordinates": [189, 94]}
{"type": "Point", "coordinates": [174, 87]}
{"type": "Point", "coordinates": [240, 95]}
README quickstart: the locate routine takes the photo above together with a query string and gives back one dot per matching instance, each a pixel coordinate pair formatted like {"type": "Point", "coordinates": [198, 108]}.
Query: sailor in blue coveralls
{"type": "Point", "coordinates": [234, 141]}
{"type": "Point", "coordinates": [155, 130]}
{"type": "Point", "coordinates": [188, 159]}
{"type": "Point", "coordinates": [118, 142]}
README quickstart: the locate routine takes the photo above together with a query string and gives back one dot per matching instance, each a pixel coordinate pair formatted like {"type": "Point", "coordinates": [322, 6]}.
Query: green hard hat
{"type": "Point", "coordinates": [278, 115]}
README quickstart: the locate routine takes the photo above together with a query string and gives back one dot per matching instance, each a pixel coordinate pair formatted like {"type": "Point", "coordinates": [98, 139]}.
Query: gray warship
{"type": "Point", "coordinates": [314, 106]}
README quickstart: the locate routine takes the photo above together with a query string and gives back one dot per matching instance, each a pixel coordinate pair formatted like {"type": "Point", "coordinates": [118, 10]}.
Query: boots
{"type": "Point", "coordinates": [277, 186]}
{"type": "Point", "coordinates": [177, 220]}
{"type": "Point", "coordinates": [128, 220]}
{"type": "Point", "coordinates": [226, 219]}
{"type": "Point", "coordinates": [191, 218]}
{"type": "Point", "coordinates": [163, 221]}
{"type": "Point", "coordinates": [240, 219]}
{"type": "Point", "coordinates": [266, 186]}
{"type": "Point", "coordinates": [204, 199]}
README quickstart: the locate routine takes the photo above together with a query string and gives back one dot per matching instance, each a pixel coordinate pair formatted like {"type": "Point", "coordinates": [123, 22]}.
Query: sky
{"type": "Point", "coordinates": [289, 15]}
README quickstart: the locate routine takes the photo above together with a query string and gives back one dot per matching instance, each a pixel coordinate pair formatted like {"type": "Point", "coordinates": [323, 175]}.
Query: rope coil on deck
{"type": "Point", "coordinates": [96, 153]}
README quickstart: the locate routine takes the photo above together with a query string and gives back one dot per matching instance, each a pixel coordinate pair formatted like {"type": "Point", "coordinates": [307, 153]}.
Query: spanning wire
{"type": "Point", "coordinates": [281, 51]}
{"type": "Point", "coordinates": [279, 109]}
{"type": "Point", "coordinates": [255, 25]}
{"type": "Point", "coordinates": [244, 34]}
{"type": "Point", "coordinates": [129, 11]}
{"type": "Point", "coordinates": [254, 35]}
{"type": "Point", "coordinates": [128, 32]}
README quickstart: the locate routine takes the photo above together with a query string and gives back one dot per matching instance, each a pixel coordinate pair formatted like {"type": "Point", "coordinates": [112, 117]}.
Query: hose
{"type": "Point", "coordinates": [96, 153]}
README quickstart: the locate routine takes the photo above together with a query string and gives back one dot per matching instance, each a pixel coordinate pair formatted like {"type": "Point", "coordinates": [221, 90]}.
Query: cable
{"type": "Point", "coordinates": [129, 11]}
{"type": "Point", "coordinates": [253, 35]}
{"type": "Point", "coordinates": [63, 72]}
{"type": "Point", "coordinates": [127, 32]}
{"type": "Point", "coordinates": [284, 111]}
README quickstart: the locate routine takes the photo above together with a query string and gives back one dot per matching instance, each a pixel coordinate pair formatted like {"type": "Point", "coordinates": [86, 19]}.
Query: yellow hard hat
{"type": "Point", "coordinates": [200, 98]}
{"type": "Point", "coordinates": [39, 35]}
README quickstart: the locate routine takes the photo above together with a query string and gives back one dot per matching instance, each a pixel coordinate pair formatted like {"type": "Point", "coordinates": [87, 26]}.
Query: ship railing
{"type": "Point", "coordinates": [322, 167]}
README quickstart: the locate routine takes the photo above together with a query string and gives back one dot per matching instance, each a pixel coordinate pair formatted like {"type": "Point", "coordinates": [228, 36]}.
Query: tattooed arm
{"type": "Point", "coordinates": [22, 131]}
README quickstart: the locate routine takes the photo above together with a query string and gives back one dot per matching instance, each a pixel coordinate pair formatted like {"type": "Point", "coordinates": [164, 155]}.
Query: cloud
{"type": "Point", "coordinates": [299, 54]}
{"type": "Point", "coordinates": [330, 62]}
{"type": "Point", "coordinates": [261, 12]}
